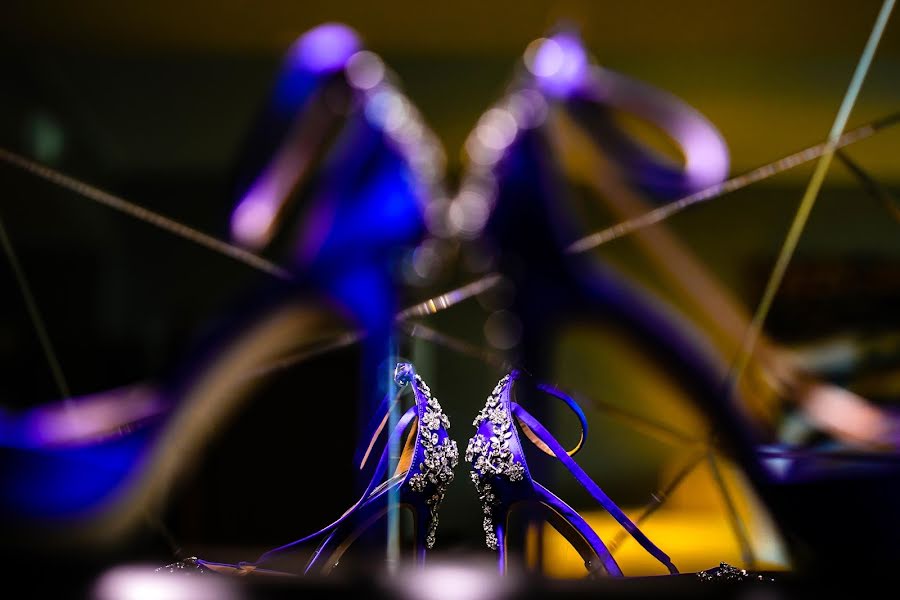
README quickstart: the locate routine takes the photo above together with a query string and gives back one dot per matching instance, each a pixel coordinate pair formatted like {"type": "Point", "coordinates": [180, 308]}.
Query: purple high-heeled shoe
{"type": "Point", "coordinates": [90, 468]}
{"type": "Point", "coordinates": [502, 479]}
{"type": "Point", "coordinates": [421, 478]}
{"type": "Point", "coordinates": [522, 211]}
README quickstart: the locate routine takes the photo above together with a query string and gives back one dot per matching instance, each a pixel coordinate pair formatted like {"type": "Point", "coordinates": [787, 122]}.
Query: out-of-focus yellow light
{"type": "Point", "coordinates": [693, 528]}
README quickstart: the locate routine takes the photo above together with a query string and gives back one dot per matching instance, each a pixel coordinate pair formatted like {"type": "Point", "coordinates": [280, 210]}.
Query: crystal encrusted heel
{"type": "Point", "coordinates": [503, 481]}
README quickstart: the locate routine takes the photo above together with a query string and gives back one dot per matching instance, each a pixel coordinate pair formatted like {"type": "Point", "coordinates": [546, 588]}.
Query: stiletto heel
{"type": "Point", "coordinates": [500, 537]}
{"type": "Point", "coordinates": [502, 479]}
{"type": "Point", "coordinates": [419, 482]}
{"type": "Point", "coordinates": [423, 529]}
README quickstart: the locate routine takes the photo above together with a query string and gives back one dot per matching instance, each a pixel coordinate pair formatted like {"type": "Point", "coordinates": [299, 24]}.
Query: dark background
{"type": "Point", "coordinates": [151, 101]}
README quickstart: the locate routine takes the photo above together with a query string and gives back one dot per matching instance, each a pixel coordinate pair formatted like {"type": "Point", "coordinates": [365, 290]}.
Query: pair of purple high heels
{"type": "Point", "coordinates": [424, 471]}
{"type": "Point", "coordinates": [366, 209]}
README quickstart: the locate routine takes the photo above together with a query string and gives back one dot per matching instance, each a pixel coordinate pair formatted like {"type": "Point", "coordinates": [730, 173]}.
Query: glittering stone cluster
{"type": "Point", "coordinates": [188, 566]}
{"type": "Point", "coordinates": [726, 572]}
{"type": "Point", "coordinates": [491, 457]}
{"type": "Point", "coordinates": [440, 457]}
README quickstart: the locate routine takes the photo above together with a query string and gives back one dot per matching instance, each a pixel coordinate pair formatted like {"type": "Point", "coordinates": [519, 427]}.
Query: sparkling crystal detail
{"type": "Point", "coordinates": [728, 573]}
{"type": "Point", "coordinates": [492, 458]}
{"type": "Point", "coordinates": [188, 566]}
{"type": "Point", "coordinates": [403, 374]}
{"type": "Point", "coordinates": [439, 457]}
{"type": "Point", "coordinates": [417, 482]}
{"type": "Point", "coordinates": [431, 420]}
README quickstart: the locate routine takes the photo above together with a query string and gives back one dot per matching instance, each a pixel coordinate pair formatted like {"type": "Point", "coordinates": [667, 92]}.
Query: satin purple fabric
{"type": "Point", "coordinates": [506, 471]}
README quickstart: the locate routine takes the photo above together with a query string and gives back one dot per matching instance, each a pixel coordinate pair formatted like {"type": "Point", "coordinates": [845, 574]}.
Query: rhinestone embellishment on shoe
{"type": "Point", "coordinates": [440, 456]}
{"type": "Point", "coordinates": [491, 457]}
{"type": "Point", "coordinates": [188, 566]}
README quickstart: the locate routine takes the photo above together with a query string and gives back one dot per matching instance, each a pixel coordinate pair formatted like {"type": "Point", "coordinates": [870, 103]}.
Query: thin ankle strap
{"type": "Point", "coordinates": [554, 391]}
{"type": "Point", "coordinates": [574, 407]}
{"type": "Point", "coordinates": [528, 421]}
